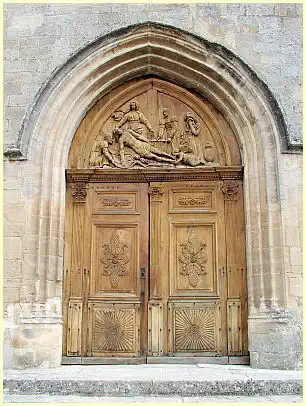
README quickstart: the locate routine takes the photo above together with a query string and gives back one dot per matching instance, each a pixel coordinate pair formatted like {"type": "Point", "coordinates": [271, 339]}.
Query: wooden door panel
{"type": "Point", "coordinates": [114, 329]}
{"type": "Point", "coordinates": [106, 313]}
{"type": "Point", "coordinates": [195, 328]}
{"type": "Point", "coordinates": [115, 259]}
{"type": "Point", "coordinates": [189, 200]}
{"type": "Point", "coordinates": [234, 327]}
{"type": "Point", "coordinates": [116, 202]}
{"type": "Point", "coordinates": [155, 328]}
{"type": "Point", "coordinates": [74, 327]}
{"type": "Point", "coordinates": [193, 282]}
{"type": "Point", "coordinates": [193, 259]}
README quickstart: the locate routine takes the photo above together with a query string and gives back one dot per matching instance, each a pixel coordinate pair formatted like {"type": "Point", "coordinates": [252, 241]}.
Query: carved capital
{"type": "Point", "coordinates": [156, 193]}
{"type": "Point", "coordinates": [78, 192]}
{"type": "Point", "coordinates": [230, 191]}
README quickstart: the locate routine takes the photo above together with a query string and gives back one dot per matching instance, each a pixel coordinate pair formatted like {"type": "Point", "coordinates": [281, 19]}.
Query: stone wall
{"type": "Point", "coordinates": [40, 38]}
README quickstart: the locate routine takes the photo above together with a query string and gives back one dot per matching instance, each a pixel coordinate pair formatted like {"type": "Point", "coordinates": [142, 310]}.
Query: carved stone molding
{"type": "Point", "coordinates": [230, 191]}
{"type": "Point", "coordinates": [79, 192]}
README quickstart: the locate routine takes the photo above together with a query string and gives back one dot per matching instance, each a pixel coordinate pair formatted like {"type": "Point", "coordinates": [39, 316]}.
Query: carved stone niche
{"type": "Point", "coordinates": [151, 123]}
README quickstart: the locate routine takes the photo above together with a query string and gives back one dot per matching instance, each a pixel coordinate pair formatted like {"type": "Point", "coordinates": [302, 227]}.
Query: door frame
{"type": "Point", "coordinates": [81, 177]}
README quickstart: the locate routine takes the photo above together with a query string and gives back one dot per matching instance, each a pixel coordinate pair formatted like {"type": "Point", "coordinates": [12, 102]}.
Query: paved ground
{"type": "Point", "coordinates": [147, 383]}
{"type": "Point", "coordinates": [154, 372]}
{"type": "Point", "coordinates": [153, 399]}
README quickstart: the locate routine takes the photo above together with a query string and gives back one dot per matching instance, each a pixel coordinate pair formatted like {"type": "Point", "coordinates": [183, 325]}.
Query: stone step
{"type": "Point", "coordinates": [159, 380]}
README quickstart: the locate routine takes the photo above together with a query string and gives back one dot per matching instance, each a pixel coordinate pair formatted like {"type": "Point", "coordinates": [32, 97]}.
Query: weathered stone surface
{"type": "Point", "coordinates": [201, 382]}
{"type": "Point", "coordinates": [150, 398]}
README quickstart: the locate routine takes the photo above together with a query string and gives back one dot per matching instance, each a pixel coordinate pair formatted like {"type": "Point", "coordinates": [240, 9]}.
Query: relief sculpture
{"type": "Point", "coordinates": [115, 258]}
{"type": "Point", "coordinates": [193, 258]}
{"type": "Point", "coordinates": [131, 141]}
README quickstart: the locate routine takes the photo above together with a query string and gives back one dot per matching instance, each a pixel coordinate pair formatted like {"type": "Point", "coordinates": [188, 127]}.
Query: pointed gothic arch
{"type": "Point", "coordinates": [190, 62]}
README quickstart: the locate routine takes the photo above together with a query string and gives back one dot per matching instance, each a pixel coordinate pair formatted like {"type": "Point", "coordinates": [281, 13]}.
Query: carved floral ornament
{"type": "Point", "coordinates": [230, 191]}
{"type": "Point", "coordinates": [132, 142]}
{"type": "Point", "coordinates": [193, 258]}
{"type": "Point", "coordinates": [115, 258]}
{"type": "Point", "coordinates": [78, 192]}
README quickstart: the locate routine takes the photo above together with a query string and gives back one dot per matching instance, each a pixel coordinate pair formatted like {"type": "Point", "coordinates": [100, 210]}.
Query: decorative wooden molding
{"type": "Point", "coordinates": [78, 192]}
{"type": "Point", "coordinates": [230, 191]}
{"type": "Point", "coordinates": [153, 175]}
{"type": "Point", "coordinates": [156, 193]}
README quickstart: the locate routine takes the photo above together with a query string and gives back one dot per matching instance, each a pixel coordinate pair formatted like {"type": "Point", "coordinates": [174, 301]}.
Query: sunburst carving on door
{"type": "Point", "coordinates": [194, 329]}
{"type": "Point", "coordinates": [115, 330]}
{"type": "Point", "coordinates": [115, 258]}
{"type": "Point", "coordinates": [193, 258]}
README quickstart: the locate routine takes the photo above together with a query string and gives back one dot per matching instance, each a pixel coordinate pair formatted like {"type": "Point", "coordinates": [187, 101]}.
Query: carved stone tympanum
{"type": "Point", "coordinates": [165, 132]}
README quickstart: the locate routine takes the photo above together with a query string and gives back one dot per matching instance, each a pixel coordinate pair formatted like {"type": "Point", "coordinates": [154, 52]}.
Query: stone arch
{"type": "Point", "coordinates": [193, 63]}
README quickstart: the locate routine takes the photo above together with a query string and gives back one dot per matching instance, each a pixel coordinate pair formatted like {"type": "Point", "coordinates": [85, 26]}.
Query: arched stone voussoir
{"type": "Point", "coordinates": [149, 41]}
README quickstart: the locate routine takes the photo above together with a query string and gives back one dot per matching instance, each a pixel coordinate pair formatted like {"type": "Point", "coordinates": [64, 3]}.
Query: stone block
{"type": "Point", "coordinates": [295, 286]}
{"type": "Point", "coordinates": [15, 214]}
{"type": "Point", "coordinates": [12, 88]}
{"type": "Point", "coordinates": [259, 9]}
{"type": "Point", "coordinates": [12, 269]}
{"type": "Point", "coordinates": [28, 42]}
{"type": "Point", "coordinates": [292, 237]}
{"type": "Point", "coordinates": [11, 282]}
{"type": "Point", "coordinates": [11, 295]}
{"type": "Point", "coordinates": [12, 248]}
{"type": "Point", "coordinates": [285, 10]}
{"type": "Point", "coordinates": [26, 22]}
{"type": "Point", "coordinates": [281, 346]}
{"type": "Point", "coordinates": [299, 9]}
{"type": "Point", "coordinates": [236, 9]}
{"type": "Point", "coordinates": [296, 257]}
{"type": "Point", "coordinates": [15, 112]}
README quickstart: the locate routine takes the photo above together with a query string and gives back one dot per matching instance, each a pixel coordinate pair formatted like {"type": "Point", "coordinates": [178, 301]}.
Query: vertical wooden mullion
{"type": "Point", "coordinates": [87, 241]}
{"type": "Point", "coordinates": [236, 260]}
{"type": "Point", "coordinates": [78, 192]}
{"type": "Point", "coordinates": [222, 271]}
{"type": "Point", "coordinates": [67, 264]}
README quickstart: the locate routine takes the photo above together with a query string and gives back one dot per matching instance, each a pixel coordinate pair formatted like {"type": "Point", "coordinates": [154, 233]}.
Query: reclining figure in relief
{"type": "Point", "coordinates": [128, 146]}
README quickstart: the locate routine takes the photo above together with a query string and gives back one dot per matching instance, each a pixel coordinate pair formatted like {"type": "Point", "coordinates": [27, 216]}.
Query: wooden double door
{"type": "Point", "coordinates": [155, 272]}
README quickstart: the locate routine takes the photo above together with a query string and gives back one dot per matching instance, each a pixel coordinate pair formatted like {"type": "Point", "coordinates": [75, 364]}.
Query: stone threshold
{"type": "Point", "coordinates": [158, 380]}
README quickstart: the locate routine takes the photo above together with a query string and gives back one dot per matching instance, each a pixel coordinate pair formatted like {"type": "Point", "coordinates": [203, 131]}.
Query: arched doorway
{"type": "Point", "coordinates": [252, 112]}
{"type": "Point", "coordinates": [155, 236]}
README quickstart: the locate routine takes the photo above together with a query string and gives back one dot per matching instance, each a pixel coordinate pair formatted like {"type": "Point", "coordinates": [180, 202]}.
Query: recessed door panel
{"type": "Point", "coordinates": [192, 262]}
{"type": "Point", "coordinates": [115, 258]}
